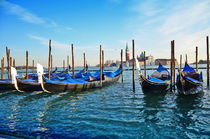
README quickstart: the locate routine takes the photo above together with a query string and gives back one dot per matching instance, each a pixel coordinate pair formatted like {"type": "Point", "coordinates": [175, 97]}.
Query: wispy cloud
{"type": "Point", "coordinates": [186, 17]}
{"type": "Point", "coordinates": [27, 16]}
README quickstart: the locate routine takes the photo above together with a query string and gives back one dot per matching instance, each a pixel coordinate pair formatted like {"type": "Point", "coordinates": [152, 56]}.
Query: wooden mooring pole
{"type": "Point", "coordinates": [185, 58]}
{"type": "Point", "coordinates": [2, 68]}
{"type": "Point", "coordinates": [100, 66]}
{"type": "Point", "coordinates": [171, 82]}
{"type": "Point", "coordinates": [33, 66]}
{"type": "Point", "coordinates": [180, 64]}
{"type": "Point", "coordinates": [84, 62]}
{"type": "Point", "coordinates": [196, 58]}
{"type": "Point", "coordinates": [8, 60]}
{"type": "Point", "coordinates": [174, 65]}
{"type": "Point", "coordinates": [122, 63]}
{"type": "Point", "coordinates": [207, 45]}
{"type": "Point", "coordinates": [63, 65]}
{"type": "Point", "coordinates": [72, 50]}
{"type": "Point", "coordinates": [14, 62]}
{"type": "Point", "coordinates": [68, 63]}
{"type": "Point", "coordinates": [133, 43]}
{"type": "Point", "coordinates": [145, 68]}
{"type": "Point", "coordinates": [51, 62]}
{"type": "Point", "coordinates": [26, 64]}
{"type": "Point", "coordinates": [103, 60]}
{"type": "Point", "coordinates": [49, 59]}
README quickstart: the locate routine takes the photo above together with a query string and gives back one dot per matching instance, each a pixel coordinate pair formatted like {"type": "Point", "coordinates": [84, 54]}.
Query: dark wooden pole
{"type": "Point", "coordinates": [133, 65]}
{"type": "Point", "coordinates": [207, 44]}
{"type": "Point", "coordinates": [10, 62]}
{"type": "Point", "coordinates": [196, 58]}
{"type": "Point", "coordinates": [171, 82]}
{"type": "Point", "coordinates": [2, 68]}
{"type": "Point", "coordinates": [180, 64]}
{"type": "Point", "coordinates": [63, 65]}
{"type": "Point", "coordinates": [68, 63]}
{"type": "Point", "coordinates": [51, 62]}
{"type": "Point", "coordinates": [49, 59]}
{"type": "Point", "coordinates": [185, 58]}
{"type": "Point", "coordinates": [145, 68]}
{"type": "Point", "coordinates": [174, 65]}
{"type": "Point", "coordinates": [103, 60]}
{"type": "Point", "coordinates": [84, 62]}
{"type": "Point", "coordinates": [33, 66]}
{"type": "Point", "coordinates": [72, 50]}
{"type": "Point", "coordinates": [8, 65]}
{"type": "Point", "coordinates": [100, 66]}
{"type": "Point", "coordinates": [26, 64]}
{"type": "Point", "coordinates": [122, 63]}
{"type": "Point", "coordinates": [13, 62]}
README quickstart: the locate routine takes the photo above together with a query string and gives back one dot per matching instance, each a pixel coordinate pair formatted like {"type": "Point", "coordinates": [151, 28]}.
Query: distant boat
{"type": "Point", "coordinates": [188, 80]}
{"type": "Point", "coordinates": [158, 82]}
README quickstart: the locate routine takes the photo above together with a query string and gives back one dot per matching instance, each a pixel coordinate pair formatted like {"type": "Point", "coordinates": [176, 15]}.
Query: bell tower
{"type": "Point", "coordinates": [127, 55]}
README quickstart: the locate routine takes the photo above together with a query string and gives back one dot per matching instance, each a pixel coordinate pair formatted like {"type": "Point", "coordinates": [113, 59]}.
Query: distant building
{"type": "Point", "coordinates": [164, 62]}
{"type": "Point", "coordinates": [149, 59]}
{"type": "Point", "coordinates": [127, 54]}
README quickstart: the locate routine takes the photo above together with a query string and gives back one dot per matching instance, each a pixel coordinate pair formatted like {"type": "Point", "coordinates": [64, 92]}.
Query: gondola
{"type": "Point", "coordinates": [75, 85]}
{"type": "Point", "coordinates": [6, 84]}
{"type": "Point", "coordinates": [158, 82]}
{"type": "Point", "coordinates": [33, 83]}
{"type": "Point", "coordinates": [189, 81]}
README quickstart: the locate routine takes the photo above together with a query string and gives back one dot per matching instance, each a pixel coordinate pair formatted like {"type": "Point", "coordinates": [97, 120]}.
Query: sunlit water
{"type": "Point", "coordinates": [111, 112]}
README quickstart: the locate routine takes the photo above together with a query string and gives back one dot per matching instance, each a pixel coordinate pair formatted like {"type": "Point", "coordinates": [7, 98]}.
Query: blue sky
{"type": "Point", "coordinates": [29, 24]}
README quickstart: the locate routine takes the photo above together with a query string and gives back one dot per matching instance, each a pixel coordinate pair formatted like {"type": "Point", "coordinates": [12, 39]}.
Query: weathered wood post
{"type": "Point", "coordinates": [207, 44]}
{"type": "Point", "coordinates": [8, 65]}
{"type": "Point", "coordinates": [122, 63]}
{"type": "Point", "coordinates": [180, 64]}
{"type": "Point", "coordinates": [63, 65]}
{"type": "Point", "coordinates": [10, 62]}
{"type": "Point", "coordinates": [72, 50]}
{"type": "Point", "coordinates": [196, 58]}
{"type": "Point", "coordinates": [84, 62]}
{"type": "Point", "coordinates": [103, 60]}
{"type": "Point", "coordinates": [145, 68]}
{"type": "Point", "coordinates": [186, 58]}
{"type": "Point", "coordinates": [100, 66]}
{"type": "Point", "coordinates": [51, 62]}
{"type": "Point", "coordinates": [174, 65]}
{"type": "Point", "coordinates": [2, 68]}
{"type": "Point", "coordinates": [171, 82]}
{"type": "Point", "coordinates": [13, 62]}
{"type": "Point", "coordinates": [49, 59]}
{"type": "Point", "coordinates": [68, 63]}
{"type": "Point", "coordinates": [26, 64]}
{"type": "Point", "coordinates": [133, 43]}
{"type": "Point", "coordinates": [33, 66]}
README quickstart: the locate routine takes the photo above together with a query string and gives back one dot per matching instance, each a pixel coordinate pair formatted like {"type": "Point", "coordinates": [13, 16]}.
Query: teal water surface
{"type": "Point", "coordinates": [115, 111]}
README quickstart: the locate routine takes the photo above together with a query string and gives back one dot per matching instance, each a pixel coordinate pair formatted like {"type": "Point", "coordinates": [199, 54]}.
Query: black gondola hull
{"type": "Point", "coordinates": [7, 86]}
{"type": "Point", "coordinates": [150, 87]}
{"type": "Point", "coordinates": [77, 87]}
{"type": "Point", "coordinates": [185, 86]}
{"type": "Point", "coordinates": [28, 86]}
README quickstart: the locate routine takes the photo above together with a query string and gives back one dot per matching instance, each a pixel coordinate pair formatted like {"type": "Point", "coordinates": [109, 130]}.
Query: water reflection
{"type": "Point", "coordinates": [152, 105]}
{"type": "Point", "coordinates": [186, 106]}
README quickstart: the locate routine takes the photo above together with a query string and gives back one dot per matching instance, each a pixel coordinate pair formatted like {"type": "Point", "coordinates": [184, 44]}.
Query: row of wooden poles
{"type": "Point", "coordinates": [73, 72]}
{"type": "Point", "coordinates": [173, 68]}
{"type": "Point", "coordinates": [172, 65]}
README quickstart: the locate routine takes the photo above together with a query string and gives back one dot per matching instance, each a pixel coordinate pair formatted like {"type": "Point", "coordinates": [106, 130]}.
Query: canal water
{"type": "Point", "coordinates": [115, 111]}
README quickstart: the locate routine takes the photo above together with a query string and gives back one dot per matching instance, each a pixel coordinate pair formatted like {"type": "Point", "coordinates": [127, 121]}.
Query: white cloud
{"type": "Point", "coordinates": [186, 17]}
{"type": "Point", "coordinates": [27, 16]}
